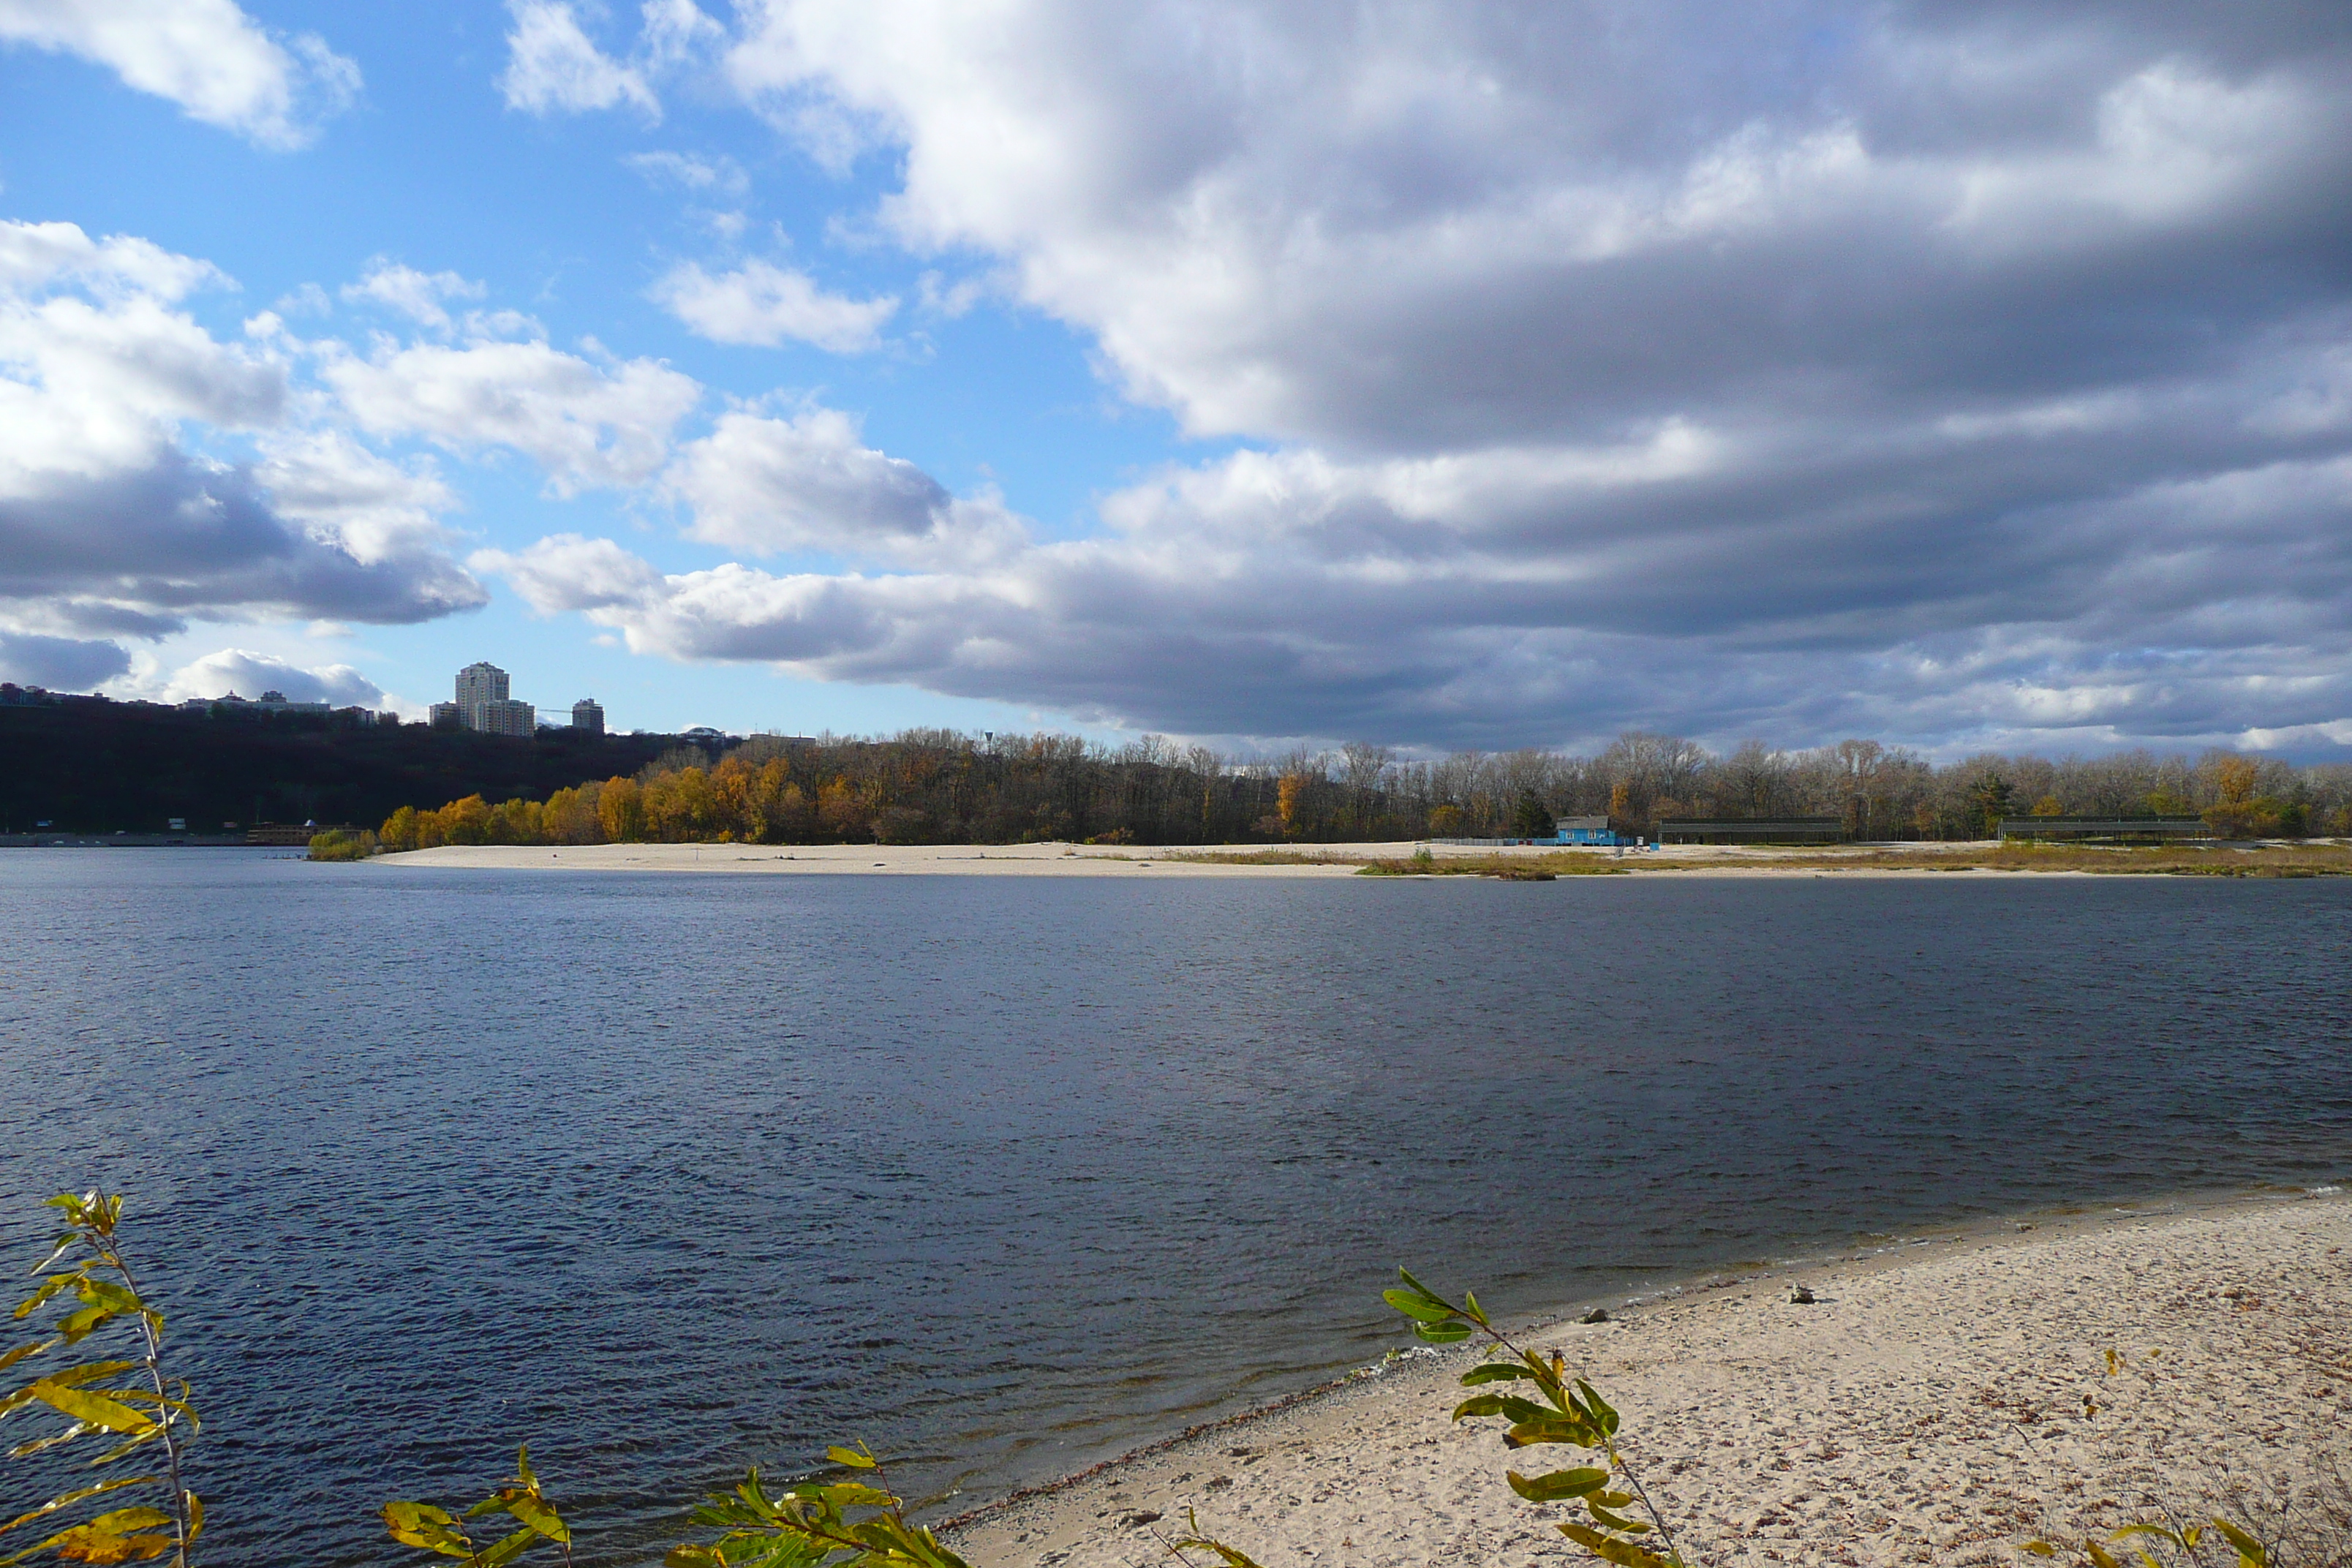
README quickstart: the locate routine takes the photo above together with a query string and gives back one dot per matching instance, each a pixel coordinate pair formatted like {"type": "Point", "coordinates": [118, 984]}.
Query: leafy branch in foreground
{"type": "Point", "coordinates": [1573, 1413]}
{"type": "Point", "coordinates": [844, 1524]}
{"type": "Point", "coordinates": [423, 1524]}
{"type": "Point", "coordinates": [85, 1266]}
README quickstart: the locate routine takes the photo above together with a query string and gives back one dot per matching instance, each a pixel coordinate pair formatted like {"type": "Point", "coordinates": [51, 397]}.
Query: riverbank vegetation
{"type": "Point", "coordinates": [937, 786]}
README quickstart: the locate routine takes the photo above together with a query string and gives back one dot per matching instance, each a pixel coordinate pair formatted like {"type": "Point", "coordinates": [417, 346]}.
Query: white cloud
{"type": "Point", "coordinates": [809, 482]}
{"type": "Point", "coordinates": [586, 424]}
{"type": "Point", "coordinates": [206, 56]}
{"type": "Point", "coordinates": [373, 508]}
{"type": "Point", "coordinates": [552, 66]}
{"type": "Point", "coordinates": [113, 520]}
{"type": "Point", "coordinates": [249, 674]}
{"type": "Point", "coordinates": [413, 294]}
{"type": "Point", "coordinates": [676, 32]}
{"type": "Point", "coordinates": [568, 572]}
{"type": "Point", "coordinates": [33, 255]}
{"type": "Point", "coordinates": [763, 304]}
{"type": "Point", "coordinates": [719, 174]}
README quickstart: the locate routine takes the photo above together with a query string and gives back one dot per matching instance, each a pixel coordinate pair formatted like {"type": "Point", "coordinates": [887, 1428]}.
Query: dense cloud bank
{"type": "Point", "coordinates": [1949, 372]}
{"type": "Point", "coordinates": [114, 525]}
{"type": "Point", "coordinates": [1966, 375]}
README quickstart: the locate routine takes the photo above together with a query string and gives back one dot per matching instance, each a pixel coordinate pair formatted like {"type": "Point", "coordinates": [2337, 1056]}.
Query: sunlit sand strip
{"type": "Point", "coordinates": [844, 859]}
{"type": "Point", "coordinates": [1928, 1406]}
{"type": "Point", "coordinates": [1096, 861]}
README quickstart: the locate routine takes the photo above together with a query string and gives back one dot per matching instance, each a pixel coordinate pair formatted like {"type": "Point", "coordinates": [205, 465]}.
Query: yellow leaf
{"type": "Point", "coordinates": [93, 1409]}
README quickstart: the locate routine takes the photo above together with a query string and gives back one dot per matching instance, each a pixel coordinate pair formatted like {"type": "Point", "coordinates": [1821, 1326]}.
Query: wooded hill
{"type": "Point", "coordinates": [88, 766]}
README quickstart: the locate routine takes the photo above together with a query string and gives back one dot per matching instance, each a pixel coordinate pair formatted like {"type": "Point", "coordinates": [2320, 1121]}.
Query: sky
{"type": "Point", "coordinates": [1440, 376]}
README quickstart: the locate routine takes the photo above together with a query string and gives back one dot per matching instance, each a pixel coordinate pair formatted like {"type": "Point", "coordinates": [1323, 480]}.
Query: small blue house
{"type": "Point", "coordinates": [1587, 830]}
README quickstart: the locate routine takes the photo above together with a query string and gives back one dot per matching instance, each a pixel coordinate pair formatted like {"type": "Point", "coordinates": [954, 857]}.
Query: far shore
{"type": "Point", "coordinates": [1311, 860]}
{"type": "Point", "coordinates": [1942, 1400]}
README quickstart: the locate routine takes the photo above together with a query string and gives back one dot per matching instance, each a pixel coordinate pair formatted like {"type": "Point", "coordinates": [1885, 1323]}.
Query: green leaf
{"type": "Point", "coordinates": [78, 1326]}
{"type": "Point", "coordinates": [1470, 1305]}
{"type": "Point", "coordinates": [1615, 1522]}
{"type": "Point", "coordinates": [1442, 1333]}
{"type": "Point", "coordinates": [1510, 1404]}
{"type": "Point", "coordinates": [422, 1524]}
{"type": "Point", "coordinates": [1558, 1484]}
{"type": "Point", "coordinates": [1494, 1372]}
{"type": "Point", "coordinates": [508, 1550]}
{"type": "Point", "coordinates": [857, 1459]}
{"type": "Point", "coordinates": [534, 1512]}
{"type": "Point", "coordinates": [1603, 1415]}
{"type": "Point", "coordinates": [2040, 1549]}
{"type": "Point", "coordinates": [2100, 1554]}
{"type": "Point", "coordinates": [1425, 1292]}
{"type": "Point", "coordinates": [1552, 1429]}
{"type": "Point", "coordinates": [1413, 1306]}
{"type": "Point", "coordinates": [48, 1288]}
{"type": "Point", "coordinates": [1624, 1554]}
{"type": "Point", "coordinates": [93, 1409]}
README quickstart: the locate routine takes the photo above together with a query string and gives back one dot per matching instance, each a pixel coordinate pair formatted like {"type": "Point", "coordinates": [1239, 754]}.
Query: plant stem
{"type": "Point", "coordinates": [153, 1340]}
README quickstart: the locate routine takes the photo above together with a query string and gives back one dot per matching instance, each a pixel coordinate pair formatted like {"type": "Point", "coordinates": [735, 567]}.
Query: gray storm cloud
{"type": "Point", "coordinates": [1945, 372]}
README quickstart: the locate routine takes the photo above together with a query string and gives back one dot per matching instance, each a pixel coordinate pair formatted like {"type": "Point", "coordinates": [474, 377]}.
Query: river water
{"type": "Point", "coordinates": [668, 1174]}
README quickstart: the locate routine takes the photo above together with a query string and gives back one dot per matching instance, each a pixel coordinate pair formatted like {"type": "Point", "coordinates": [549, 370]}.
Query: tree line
{"type": "Point", "coordinates": [940, 786]}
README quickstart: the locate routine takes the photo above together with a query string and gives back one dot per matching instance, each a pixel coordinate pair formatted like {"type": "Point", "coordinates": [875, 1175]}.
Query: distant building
{"type": "Point", "coordinates": [483, 704]}
{"type": "Point", "coordinates": [481, 681]}
{"type": "Point", "coordinates": [588, 716]}
{"type": "Point", "coordinates": [504, 717]}
{"type": "Point", "coordinates": [1585, 830]}
{"type": "Point", "coordinates": [270, 704]}
{"type": "Point", "coordinates": [275, 703]}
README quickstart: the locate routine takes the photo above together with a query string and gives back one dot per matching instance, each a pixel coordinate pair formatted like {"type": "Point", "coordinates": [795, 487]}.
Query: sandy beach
{"type": "Point", "coordinates": [857, 859]}
{"type": "Point", "coordinates": [1928, 1406]}
{"type": "Point", "coordinates": [1059, 859]}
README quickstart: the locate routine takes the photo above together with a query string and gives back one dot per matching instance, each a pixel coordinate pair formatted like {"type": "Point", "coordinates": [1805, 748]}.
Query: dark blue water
{"type": "Point", "coordinates": [669, 1175]}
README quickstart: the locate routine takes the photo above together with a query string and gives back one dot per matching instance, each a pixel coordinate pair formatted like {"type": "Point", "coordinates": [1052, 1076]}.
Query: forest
{"type": "Point", "coordinates": [929, 786]}
{"type": "Point", "coordinates": [88, 764]}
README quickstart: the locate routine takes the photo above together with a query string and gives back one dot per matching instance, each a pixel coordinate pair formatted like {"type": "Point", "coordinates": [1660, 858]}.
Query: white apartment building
{"type": "Point", "coordinates": [483, 703]}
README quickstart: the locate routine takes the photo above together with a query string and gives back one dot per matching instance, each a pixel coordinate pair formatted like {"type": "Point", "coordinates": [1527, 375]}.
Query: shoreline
{"type": "Point", "coordinates": [1290, 1481]}
{"type": "Point", "coordinates": [1308, 861]}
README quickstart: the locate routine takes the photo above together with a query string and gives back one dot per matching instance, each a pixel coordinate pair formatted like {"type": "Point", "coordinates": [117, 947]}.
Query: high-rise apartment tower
{"type": "Point", "coordinates": [483, 703]}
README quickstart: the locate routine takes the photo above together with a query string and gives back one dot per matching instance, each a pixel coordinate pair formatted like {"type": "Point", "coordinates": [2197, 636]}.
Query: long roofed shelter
{"type": "Point", "coordinates": [1753, 830]}
{"type": "Point", "coordinates": [2119, 828]}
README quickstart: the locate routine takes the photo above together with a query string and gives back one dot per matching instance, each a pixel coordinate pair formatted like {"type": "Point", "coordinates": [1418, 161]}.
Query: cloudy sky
{"type": "Point", "coordinates": [1443, 375]}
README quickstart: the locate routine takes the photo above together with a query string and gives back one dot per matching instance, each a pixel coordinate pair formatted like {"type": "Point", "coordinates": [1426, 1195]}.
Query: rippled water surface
{"type": "Point", "coordinates": [668, 1174]}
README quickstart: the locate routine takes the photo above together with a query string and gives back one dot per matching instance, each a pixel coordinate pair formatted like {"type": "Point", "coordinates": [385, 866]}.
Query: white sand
{"type": "Point", "coordinates": [1928, 1408]}
{"type": "Point", "coordinates": [853, 860]}
{"type": "Point", "coordinates": [1071, 859]}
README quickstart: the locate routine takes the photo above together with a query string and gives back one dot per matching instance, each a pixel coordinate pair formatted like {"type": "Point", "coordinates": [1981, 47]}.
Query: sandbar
{"type": "Point", "coordinates": [1062, 859]}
